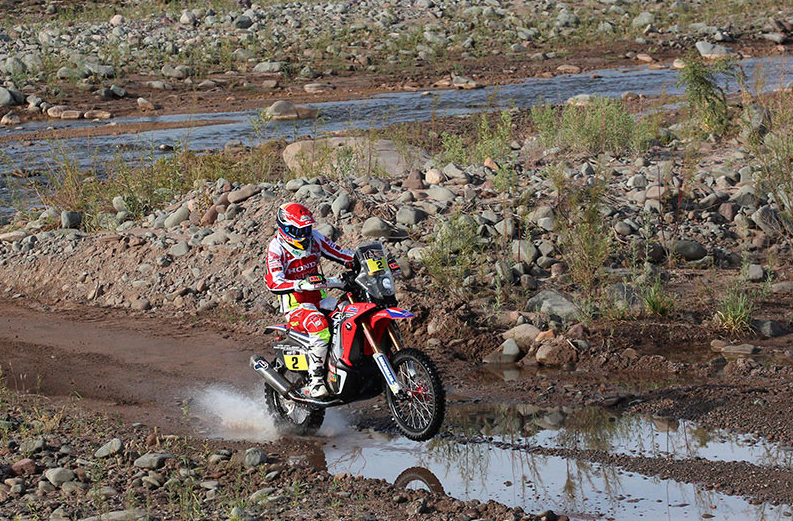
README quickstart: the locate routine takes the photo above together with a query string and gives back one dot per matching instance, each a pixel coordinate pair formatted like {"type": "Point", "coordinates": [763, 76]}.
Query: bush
{"type": "Point", "coordinates": [585, 236]}
{"type": "Point", "coordinates": [492, 141]}
{"type": "Point", "coordinates": [603, 125]}
{"type": "Point", "coordinates": [736, 308]}
{"type": "Point", "coordinates": [775, 154]}
{"type": "Point", "coordinates": [706, 99]}
{"type": "Point", "coordinates": [451, 256]}
{"type": "Point", "coordinates": [152, 186]}
{"type": "Point", "coordinates": [657, 300]}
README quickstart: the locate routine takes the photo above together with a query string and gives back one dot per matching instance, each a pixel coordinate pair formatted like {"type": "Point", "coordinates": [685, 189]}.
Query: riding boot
{"type": "Point", "coordinates": [316, 371]}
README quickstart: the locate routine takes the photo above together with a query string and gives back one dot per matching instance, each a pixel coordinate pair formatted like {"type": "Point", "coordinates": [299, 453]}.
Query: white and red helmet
{"type": "Point", "coordinates": [295, 225]}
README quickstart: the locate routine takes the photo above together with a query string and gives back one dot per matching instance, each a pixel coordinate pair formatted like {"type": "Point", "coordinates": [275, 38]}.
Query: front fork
{"type": "Point", "coordinates": [382, 360]}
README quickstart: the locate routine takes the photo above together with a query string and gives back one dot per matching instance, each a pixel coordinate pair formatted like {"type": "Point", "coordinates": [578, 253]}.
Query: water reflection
{"type": "Point", "coordinates": [580, 489]}
{"type": "Point", "coordinates": [599, 429]}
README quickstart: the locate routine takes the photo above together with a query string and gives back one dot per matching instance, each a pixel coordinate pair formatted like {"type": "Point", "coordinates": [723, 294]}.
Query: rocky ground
{"type": "Point", "coordinates": [60, 462]}
{"type": "Point", "coordinates": [104, 290]}
{"type": "Point", "coordinates": [697, 230]}
{"type": "Point", "coordinates": [102, 60]}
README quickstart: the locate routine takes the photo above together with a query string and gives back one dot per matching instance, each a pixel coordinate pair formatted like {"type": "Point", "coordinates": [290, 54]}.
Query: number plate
{"type": "Point", "coordinates": [375, 265]}
{"type": "Point", "coordinates": [296, 362]}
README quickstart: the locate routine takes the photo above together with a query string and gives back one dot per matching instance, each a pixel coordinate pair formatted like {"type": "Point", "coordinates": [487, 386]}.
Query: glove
{"type": "Point", "coordinates": [311, 283]}
{"type": "Point", "coordinates": [350, 264]}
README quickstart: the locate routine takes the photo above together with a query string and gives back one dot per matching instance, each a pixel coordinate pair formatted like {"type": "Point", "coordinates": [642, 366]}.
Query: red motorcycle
{"type": "Point", "coordinates": [366, 357]}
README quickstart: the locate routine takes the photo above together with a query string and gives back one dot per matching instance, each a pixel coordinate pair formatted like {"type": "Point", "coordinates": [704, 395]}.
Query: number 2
{"type": "Point", "coordinates": [295, 362]}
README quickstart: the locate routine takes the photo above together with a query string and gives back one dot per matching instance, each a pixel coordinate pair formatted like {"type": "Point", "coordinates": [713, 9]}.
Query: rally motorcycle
{"type": "Point", "coordinates": [366, 357]}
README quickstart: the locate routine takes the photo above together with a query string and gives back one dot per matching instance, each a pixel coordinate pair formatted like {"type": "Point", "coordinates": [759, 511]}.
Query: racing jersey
{"type": "Point", "coordinates": [284, 268]}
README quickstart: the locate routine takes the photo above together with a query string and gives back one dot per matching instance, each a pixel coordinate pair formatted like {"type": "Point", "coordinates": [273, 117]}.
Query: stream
{"type": "Point", "coordinates": [102, 152]}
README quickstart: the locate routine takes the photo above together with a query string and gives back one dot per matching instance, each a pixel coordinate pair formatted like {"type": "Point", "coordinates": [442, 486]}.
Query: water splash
{"type": "Point", "coordinates": [232, 414]}
{"type": "Point", "coordinates": [235, 415]}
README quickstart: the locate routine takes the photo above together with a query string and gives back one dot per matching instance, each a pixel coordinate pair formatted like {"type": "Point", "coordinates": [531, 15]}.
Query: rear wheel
{"type": "Point", "coordinates": [419, 413]}
{"type": "Point", "coordinates": [290, 416]}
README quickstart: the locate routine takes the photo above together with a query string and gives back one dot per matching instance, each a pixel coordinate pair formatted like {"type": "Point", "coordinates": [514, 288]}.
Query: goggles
{"type": "Point", "coordinates": [297, 233]}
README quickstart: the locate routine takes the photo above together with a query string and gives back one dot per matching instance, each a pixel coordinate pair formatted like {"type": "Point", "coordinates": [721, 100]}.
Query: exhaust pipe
{"type": "Point", "coordinates": [282, 385]}
{"type": "Point", "coordinates": [270, 375]}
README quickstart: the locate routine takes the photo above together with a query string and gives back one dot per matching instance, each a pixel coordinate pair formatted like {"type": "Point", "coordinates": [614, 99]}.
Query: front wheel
{"type": "Point", "coordinates": [290, 416]}
{"type": "Point", "coordinates": [419, 413]}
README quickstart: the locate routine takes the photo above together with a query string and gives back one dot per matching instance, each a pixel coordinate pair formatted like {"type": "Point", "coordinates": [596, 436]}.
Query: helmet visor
{"type": "Point", "coordinates": [297, 233]}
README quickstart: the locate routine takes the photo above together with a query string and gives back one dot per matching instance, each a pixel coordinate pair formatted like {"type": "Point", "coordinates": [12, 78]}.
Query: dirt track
{"type": "Point", "coordinates": [138, 367]}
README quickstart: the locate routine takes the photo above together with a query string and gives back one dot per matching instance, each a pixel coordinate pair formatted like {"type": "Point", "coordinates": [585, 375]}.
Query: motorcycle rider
{"type": "Point", "coordinates": [293, 273]}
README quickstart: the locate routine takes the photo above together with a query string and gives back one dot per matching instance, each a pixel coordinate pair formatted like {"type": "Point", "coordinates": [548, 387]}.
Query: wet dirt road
{"type": "Point", "coordinates": [588, 463]}
{"type": "Point", "coordinates": [140, 367]}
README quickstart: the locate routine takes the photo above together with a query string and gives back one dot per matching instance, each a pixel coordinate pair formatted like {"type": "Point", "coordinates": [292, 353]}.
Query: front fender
{"type": "Point", "coordinates": [391, 314]}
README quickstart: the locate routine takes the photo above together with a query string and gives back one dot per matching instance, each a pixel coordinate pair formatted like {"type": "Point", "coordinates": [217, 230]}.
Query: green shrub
{"type": "Point", "coordinates": [585, 236]}
{"type": "Point", "coordinates": [775, 154]}
{"type": "Point", "coordinates": [451, 256]}
{"type": "Point", "coordinates": [735, 310]}
{"type": "Point", "coordinates": [603, 125]}
{"type": "Point", "coordinates": [149, 187]}
{"type": "Point", "coordinates": [705, 98]}
{"type": "Point", "coordinates": [657, 301]}
{"type": "Point", "coordinates": [492, 141]}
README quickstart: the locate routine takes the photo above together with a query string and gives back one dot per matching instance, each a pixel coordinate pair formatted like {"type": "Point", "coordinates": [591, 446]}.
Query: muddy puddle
{"type": "Point", "coordinates": [484, 459]}
{"type": "Point", "coordinates": [501, 452]}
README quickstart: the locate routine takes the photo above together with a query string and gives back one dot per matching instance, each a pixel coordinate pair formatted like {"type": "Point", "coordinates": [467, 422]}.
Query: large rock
{"type": "Point", "coordinates": [253, 458]}
{"type": "Point", "coordinates": [58, 476]}
{"type": "Point", "coordinates": [13, 236]}
{"type": "Point", "coordinates": [361, 157]}
{"type": "Point", "coordinates": [409, 215]}
{"type": "Point", "coordinates": [767, 219]}
{"type": "Point", "coordinates": [376, 227]}
{"type": "Point", "coordinates": [768, 328]}
{"type": "Point", "coordinates": [215, 239]}
{"type": "Point", "coordinates": [6, 99]}
{"type": "Point", "coordinates": [440, 193]}
{"type": "Point", "coordinates": [507, 353]}
{"type": "Point", "coordinates": [712, 51]}
{"type": "Point", "coordinates": [286, 110]}
{"type": "Point", "coordinates": [690, 250]}
{"type": "Point", "coordinates": [341, 204]}
{"type": "Point", "coordinates": [180, 249]}
{"type": "Point", "coordinates": [553, 303]}
{"type": "Point", "coordinates": [71, 219]}
{"type": "Point", "coordinates": [524, 251]}
{"type": "Point", "coordinates": [643, 20]}
{"type": "Point", "coordinates": [152, 460]}
{"type": "Point", "coordinates": [120, 515]}
{"type": "Point", "coordinates": [99, 70]}
{"type": "Point", "coordinates": [177, 217]}
{"type": "Point", "coordinates": [556, 352]}
{"type": "Point", "coordinates": [110, 448]}
{"type": "Point", "coordinates": [523, 334]}
{"type": "Point", "coordinates": [268, 67]}
{"type": "Point", "coordinates": [247, 191]}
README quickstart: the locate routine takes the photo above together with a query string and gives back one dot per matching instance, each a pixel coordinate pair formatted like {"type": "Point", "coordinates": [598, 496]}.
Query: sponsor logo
{"type": "Point", "coordinates": [261, 364]}
{"type": "Point", "coordinates": [385, 368]}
